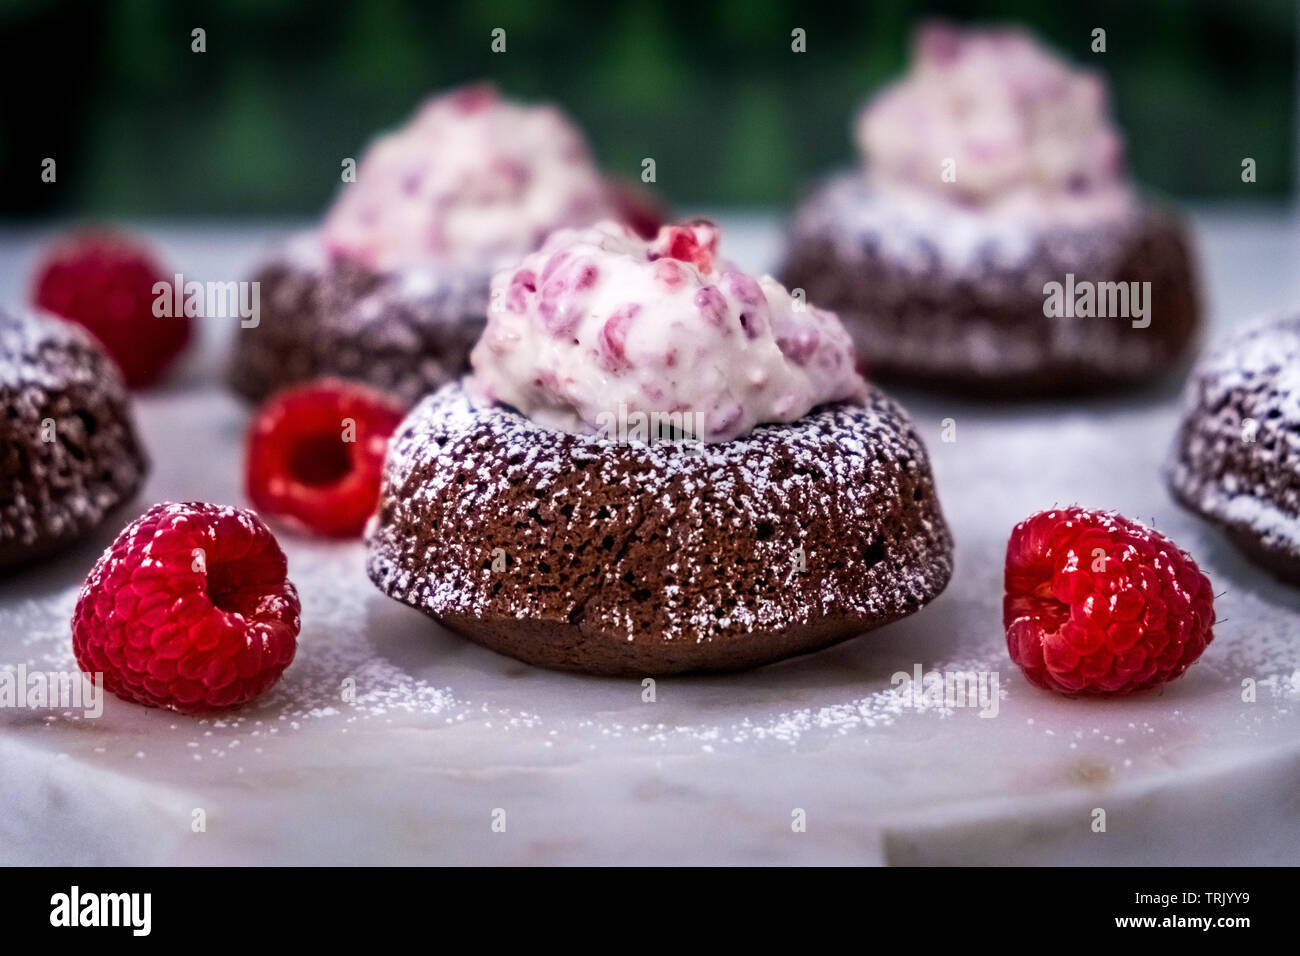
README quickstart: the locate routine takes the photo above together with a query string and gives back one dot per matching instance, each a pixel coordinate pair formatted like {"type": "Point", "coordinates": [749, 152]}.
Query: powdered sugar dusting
{"type": "Point", "coordinates": [68, 448]}
{"type": "Point", "coordinates": [710, 770]}
{"type": "Point", "coordinates": [625, 540]}
{"type": "Point", "coordinates": [920, 233]}
{"type": "Point", "coordinates": [404, 332]}
{"type": "Point", "coordinates": [955, 297]}
{"type": "Point", "coordinates": [36, 350]}
{"type": "Point", "coordinates": [1237, 455]}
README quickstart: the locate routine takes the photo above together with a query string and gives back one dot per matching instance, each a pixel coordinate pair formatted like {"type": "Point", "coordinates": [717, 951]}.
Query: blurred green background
{"type": "Point", "coordinates": [141, 126]}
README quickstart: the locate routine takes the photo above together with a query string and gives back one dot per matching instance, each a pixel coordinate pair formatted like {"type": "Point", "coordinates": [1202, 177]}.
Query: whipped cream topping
{"type": "Point", "coordinates": [600, 324]}
{"type": "Point", "coordinates": [1030, 135]}
{"type": "Point", "coordinates": [471, 180]}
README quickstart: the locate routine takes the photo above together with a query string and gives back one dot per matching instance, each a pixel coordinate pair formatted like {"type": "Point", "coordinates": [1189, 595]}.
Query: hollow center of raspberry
{"type": "Point", "coordinates": [223, 587]}
{"type": "Point", "coordinates": [320, 460]}
{"type": "Point", "coordinates": [1040, 603]}
{"type": "Point", "coordinates": [1052, 614]}
{"type": "Point", "coordinates": [240, 584]}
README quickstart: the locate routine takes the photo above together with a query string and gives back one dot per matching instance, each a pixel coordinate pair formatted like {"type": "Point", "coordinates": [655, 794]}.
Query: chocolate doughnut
{"type": "Point", "coordinates": [659, 464]}
{"type": "Point", "coordinates": [405, 333]}
{"type": "Point", "coordinates": [955, 299]}
{"type": "Point", "coordinates": [576, 553]}
{"type": "Point", "coordinates": [1235, 459]}
{"type": "Point", "coordinates": [993, 241]}
{"type": "Point", "coordinates": [69, 453]}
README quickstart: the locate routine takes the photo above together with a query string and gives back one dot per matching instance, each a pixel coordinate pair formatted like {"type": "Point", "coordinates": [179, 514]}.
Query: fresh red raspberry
{"type": "Point", "coordinates": [1098, 604]}
{"type": "Point", "coordinates": [694, 242]}
{"type": "Point", "coordinates": [316, 451]}
{"type": "Point", "coordinates": [189, 609]}
{"type": "Point", "coordinates": [105, 281]}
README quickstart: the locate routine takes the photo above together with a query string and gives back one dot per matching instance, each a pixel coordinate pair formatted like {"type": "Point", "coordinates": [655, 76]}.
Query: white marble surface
{"type": "Point", "coordinates": [444, 733]}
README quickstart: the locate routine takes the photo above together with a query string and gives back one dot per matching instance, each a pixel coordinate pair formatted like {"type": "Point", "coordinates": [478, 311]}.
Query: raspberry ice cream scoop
{"type": "Point", "coordinates": [470, 180]}
{"type": "Point", "coordinates": [1029, 134]}
{"type": "Point", "coordinates": [599, 323]}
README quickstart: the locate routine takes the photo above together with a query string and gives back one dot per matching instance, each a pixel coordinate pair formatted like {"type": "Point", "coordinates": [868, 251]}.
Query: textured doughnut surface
{"type": "Point", "coordinates": [405, 333]}
{"type": "Point", "coordinates": [568, 552]}
{"type": "Point", "coordinates": [69, 453]}
{"type": "Point", "coordinates": [954, 299]}
{"type": "Point", "coordinates": [1236, 457]}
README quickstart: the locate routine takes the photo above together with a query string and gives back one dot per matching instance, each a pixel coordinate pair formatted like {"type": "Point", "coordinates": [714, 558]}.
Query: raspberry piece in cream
{"type": "Point", "coordinates": [695, 242]}
{"type": "Point", "coordinates": [619, 323]}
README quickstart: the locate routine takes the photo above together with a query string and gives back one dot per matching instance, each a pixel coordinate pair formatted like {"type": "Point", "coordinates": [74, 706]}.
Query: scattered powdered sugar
{"type": "Point", "coordinates": [414, 680]}
{"type": "Point", "coordinates": [860, 715]}
{"type": "Point", "coordinates": [314, 696]}
{"type": "Point", "coordinates": [920, 233]}
{"type": "Point", "coordinates": [336, 683]}
{"type": "Point", "coordinates": [342, 680]}
{"type": "Point", "coordinates": [766, 707]}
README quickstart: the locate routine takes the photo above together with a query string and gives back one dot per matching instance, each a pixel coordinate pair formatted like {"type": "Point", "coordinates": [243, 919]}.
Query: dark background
{"type": "Point", "coordinates": [257, 126]}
